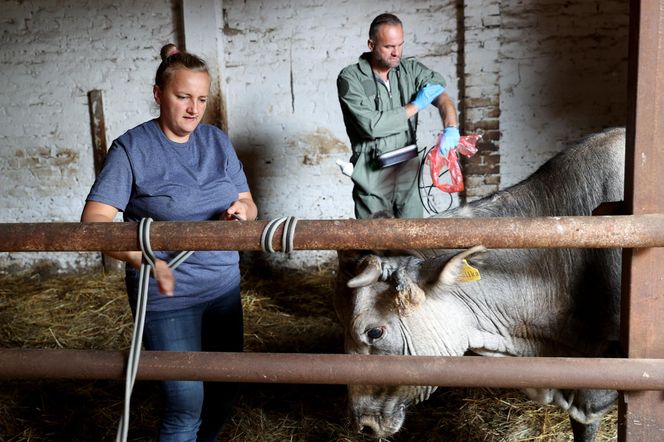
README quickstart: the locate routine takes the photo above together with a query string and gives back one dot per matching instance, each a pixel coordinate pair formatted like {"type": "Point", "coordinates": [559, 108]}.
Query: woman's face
{"type": "Point", "coordinates": [182, 103]}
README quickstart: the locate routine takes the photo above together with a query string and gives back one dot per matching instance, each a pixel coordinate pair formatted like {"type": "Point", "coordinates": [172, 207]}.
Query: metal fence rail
{"type": "Point", "coordinates": [623, 374]}
{"type": "Point", "coordinates": [627, 231]}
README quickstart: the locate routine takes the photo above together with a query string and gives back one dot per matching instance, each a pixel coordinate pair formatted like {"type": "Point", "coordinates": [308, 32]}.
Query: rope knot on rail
{"type": "Point", "coordinates": [287, 237]}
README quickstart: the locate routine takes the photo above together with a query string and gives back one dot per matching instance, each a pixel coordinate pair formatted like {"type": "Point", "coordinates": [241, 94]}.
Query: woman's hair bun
{"type": "Point", "coordinates": [170, 63]}
{"type": "Point", "coordinates": [168, 50]}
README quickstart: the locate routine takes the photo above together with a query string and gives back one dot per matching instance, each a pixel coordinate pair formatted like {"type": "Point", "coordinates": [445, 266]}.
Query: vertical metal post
{"type": "Point", "coordinates": [642, 413]}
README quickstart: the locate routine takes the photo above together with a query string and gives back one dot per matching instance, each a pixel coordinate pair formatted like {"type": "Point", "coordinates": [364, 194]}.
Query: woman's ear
{"type": "Point", "coordinates": [156, 92]}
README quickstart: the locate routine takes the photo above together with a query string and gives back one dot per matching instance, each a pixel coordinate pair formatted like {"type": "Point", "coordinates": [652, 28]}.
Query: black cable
{"type": "Point", "coordinates": [428, 206]}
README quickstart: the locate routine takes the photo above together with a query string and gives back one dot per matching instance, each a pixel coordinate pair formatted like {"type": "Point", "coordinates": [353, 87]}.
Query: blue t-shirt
{"type": "Point", "coordinates": [147, 175]}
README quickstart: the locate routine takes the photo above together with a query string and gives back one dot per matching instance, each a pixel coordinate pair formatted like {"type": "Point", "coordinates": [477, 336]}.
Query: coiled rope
{"type": "Point", "coordinates": [148, 263]}
{"type": "Point", "coordinates": [287, 236]}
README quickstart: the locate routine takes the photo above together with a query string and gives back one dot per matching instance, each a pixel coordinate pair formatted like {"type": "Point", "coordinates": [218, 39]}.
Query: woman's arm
{"type": "Point", "coordinates": [96, 212]}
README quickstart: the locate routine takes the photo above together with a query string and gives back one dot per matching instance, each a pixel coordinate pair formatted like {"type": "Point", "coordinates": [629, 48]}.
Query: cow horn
{"type": "Point", "coordinates": [371, 273]}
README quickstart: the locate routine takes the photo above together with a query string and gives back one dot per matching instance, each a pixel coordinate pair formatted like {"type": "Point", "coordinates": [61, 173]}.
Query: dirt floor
{"type": "Point", "coordinates": [285, 311]}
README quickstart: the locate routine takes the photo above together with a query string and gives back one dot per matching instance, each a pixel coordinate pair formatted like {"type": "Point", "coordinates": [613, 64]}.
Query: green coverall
{"type": "Point", "coordinates": [376, 123]}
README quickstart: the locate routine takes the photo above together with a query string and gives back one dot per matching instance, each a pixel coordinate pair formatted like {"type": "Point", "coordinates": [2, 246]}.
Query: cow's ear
{"type": "Point", "coordinates": [453, 271]}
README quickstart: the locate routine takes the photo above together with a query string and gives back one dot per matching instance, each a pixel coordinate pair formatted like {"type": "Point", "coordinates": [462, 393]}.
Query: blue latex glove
{"type": "Point", "coordinates": [450, 140]}
{"type": "Point", "coordinates": [426, 95]}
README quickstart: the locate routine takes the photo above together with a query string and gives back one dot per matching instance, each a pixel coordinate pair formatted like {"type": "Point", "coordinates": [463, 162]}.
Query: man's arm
{"type": "Point", "coordinates": [447, 110]}
{"type": "Point", "coordinates": [448, 116]}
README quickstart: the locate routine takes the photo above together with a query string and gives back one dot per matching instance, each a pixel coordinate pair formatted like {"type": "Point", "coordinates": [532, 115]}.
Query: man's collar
{"type": "Point", "coordinates": [365, 63]}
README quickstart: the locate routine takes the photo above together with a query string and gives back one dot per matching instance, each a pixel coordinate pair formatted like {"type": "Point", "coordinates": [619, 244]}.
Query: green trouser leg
{"type": "Point", "coordinates": [393, 189]}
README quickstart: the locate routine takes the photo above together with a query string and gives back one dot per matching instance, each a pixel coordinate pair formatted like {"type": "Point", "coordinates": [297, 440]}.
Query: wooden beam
{"type": "Point", "coordinates": [98, 128]}
{"type": "Point", "coordinates": [99, 149]}
{"type": "Point", "coordinates": [642, 413]}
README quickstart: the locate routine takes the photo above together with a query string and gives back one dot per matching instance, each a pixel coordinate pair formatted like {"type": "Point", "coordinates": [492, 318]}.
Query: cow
{"type": "Point", "coordinates": [527, 302]}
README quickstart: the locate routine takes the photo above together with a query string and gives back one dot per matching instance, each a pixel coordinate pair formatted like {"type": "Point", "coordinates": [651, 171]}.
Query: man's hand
{"type": "Point", "coordinates": [450, 140]}
{"type": "Point", "coordinates": [426, 95]}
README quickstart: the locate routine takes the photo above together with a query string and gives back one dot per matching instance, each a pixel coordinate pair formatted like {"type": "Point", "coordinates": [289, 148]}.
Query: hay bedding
{"type": "Point", "coordinates": [284, 312]}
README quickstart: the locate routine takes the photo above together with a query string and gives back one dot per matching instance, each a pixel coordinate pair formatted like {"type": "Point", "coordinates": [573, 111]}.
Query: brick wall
{"type": "Point", "coordinates": [481, 95]}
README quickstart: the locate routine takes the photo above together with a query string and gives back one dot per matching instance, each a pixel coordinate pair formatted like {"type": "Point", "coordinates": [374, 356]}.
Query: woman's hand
{"type": "Point", "coordinates": [243, 209]}
{"type": "Point", "coordinates": [164, 277]}
{"type": "Point", "coordinates": [99, 212]}
{"type": "Point", "coordinates": [162, 273]}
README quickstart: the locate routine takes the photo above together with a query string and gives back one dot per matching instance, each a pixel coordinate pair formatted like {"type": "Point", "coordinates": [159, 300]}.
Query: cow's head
{"type": "Point", "coordinates": [389, 305]}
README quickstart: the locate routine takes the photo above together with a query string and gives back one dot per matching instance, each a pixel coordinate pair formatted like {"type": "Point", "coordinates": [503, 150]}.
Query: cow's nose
{"type": "Point", "coordinates": [368, 430]}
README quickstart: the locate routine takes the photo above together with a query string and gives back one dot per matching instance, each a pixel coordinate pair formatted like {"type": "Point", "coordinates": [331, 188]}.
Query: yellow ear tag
{"type": "Point", "coordinates": [468, 273]}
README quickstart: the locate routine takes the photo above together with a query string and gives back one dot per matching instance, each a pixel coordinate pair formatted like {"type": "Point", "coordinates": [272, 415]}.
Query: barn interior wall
{"type": "Point", "coordinates": [563, 75]}
{"type": "Point", "coordinates": [535, 74]}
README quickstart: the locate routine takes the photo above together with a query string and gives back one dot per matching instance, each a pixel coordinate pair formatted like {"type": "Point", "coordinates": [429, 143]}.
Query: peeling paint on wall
{"type": "Point", "coordinates": [317, 145]}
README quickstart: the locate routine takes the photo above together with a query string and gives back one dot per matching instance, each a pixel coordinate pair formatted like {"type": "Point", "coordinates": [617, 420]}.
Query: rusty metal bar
{"type": "Point", "coordinates": [299, 368]}
{"type": "Point", "coordinates": [633, 231]}
{"type": "Point", "coordinates": [641, 416]}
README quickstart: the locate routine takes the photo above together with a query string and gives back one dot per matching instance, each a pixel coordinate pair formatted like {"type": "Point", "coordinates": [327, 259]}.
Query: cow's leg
{"type": "Point", "coordinates": [584, 432]}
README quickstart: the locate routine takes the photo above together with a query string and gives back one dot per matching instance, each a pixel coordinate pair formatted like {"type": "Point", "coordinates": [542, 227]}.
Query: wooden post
{"type": "Point", "coordinates": [641, 416]}
{"type": "Point", "coordinates": [99, 148]}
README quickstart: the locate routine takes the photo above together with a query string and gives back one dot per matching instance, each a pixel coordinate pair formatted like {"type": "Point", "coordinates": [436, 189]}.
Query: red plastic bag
{"type": "Point", "coordinates": [437, 162]}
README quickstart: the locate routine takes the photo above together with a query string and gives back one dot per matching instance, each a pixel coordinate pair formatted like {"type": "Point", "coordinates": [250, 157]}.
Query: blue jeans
{"type": "Point", "coordinates": [196, 410]}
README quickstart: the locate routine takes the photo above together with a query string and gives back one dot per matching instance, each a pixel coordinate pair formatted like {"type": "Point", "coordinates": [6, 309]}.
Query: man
{"type": "Point", "coordinates": [380, 97]}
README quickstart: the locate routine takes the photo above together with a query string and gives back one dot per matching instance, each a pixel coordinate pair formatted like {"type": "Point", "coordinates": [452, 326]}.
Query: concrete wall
{"type": "Point", "coordinates": [529, 75]}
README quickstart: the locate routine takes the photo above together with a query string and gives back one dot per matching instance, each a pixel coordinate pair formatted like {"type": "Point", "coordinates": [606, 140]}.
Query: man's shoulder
{"type": "Point", "coordinates": [411, 63]}
{"type": "Point", "coordinates": [356, 70]}
{"type": "Point", "coordinates": [352, 70]}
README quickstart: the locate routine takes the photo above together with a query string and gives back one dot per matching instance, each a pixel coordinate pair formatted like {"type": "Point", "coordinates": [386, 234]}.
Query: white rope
{"type": "Point", "coordinates": [147, 263]}
{"type": "Point", "coordinates": [287, 236]}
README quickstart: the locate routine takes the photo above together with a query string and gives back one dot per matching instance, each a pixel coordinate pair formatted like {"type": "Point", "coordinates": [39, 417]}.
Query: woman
{"type": "Point", "coordinates": [175, 168]}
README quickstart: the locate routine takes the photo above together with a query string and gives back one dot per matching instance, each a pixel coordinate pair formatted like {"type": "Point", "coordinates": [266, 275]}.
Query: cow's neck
{"type": "Point", "coordinates": [439, 328]}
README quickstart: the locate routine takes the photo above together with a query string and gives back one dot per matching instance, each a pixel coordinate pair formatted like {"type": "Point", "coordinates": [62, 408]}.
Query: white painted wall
{"type": "Point", "coordinates": [557, 76]}
{"type": "Point", "coordinates": [51, 54]}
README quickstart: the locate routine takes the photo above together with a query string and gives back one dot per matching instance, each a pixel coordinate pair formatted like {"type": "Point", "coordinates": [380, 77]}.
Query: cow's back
{"type": "Point", "coordinates": [574, 182]}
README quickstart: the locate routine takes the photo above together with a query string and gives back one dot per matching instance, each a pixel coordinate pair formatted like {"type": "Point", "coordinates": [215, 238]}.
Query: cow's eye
{"type": "Point", "coordinates": [375, 333]}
